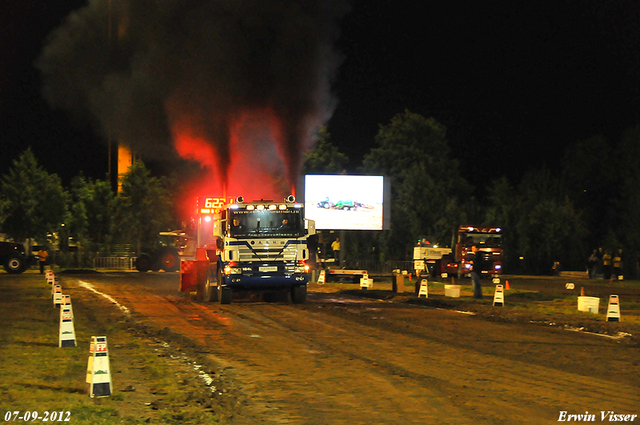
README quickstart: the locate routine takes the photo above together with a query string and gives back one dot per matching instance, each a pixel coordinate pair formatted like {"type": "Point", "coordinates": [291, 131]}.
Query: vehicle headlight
{"type": "Point", "coordinates": [232, 270]}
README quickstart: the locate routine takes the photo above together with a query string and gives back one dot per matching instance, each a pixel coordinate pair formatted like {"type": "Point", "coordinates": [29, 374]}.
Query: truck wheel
{"type": "Point", "coordinates": [299, 294]}
{"type": "Point", "coordinates": [143, 263]}
{"type": "Point", "coordinates": [223, 294]}
{"type": "Point", "coordinates": [15, 264]}
{"type": "Point", "coordinates": [170, 261]}
{"type": "Point", "coordinates": [206, 291]}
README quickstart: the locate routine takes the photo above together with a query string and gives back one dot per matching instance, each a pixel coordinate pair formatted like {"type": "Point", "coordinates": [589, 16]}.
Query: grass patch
{"type": "Point", "coordinates": [39, 376]}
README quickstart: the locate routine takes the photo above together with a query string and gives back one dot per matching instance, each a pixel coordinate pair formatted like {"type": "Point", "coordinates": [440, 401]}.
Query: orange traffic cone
{"type": "Point", "coordinates": [582, 292]}
{"type": "Point", "coordinates": [506, 286]}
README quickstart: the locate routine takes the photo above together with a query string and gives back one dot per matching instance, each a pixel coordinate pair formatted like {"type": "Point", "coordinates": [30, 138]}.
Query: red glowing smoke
{"type": "Point", "coordinates": [239, 87]}
{"type": "Point", "coordinates": [251, 162]}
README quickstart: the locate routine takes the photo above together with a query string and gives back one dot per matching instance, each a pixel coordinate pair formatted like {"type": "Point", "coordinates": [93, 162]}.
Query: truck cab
{"type": "Point", "coordinates": [488, 240]}
{"type": "Point", "coordinates": [253, 246]}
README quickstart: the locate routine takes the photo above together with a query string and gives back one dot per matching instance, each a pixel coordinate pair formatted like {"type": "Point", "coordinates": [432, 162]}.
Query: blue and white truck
{"type": "Point", "coordinates": [249, 246]}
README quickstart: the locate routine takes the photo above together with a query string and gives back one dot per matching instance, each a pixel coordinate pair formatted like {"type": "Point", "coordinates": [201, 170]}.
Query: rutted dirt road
{"type": "Point", "coordinates": [348, 360]}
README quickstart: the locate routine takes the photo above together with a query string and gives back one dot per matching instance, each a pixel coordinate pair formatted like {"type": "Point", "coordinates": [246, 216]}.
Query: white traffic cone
{"type": "Point", "coordinates": [98, 370]}
{"type": "Point", "coordinates": [613, 311]}
{"type": "Point", "coordinates": [498, 297]}
{"type": "Point", "coordinates": [365, 282]}
{"type": "Point", "coordinates": [322, 278]}
{"type": "Point", "coordinates": [50, 277]}
{"type": "Point", "coordinates": [66, 302]}
{"type": "Point", "coordinates": [424, 288]}
{"type": "Point", "coordinates": [67, 336]}
{"type": "Point", "coordinates": [57, 295]}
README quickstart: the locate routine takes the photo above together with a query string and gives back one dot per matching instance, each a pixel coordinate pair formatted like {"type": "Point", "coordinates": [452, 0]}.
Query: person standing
{"type": "Point", "coordinates": [617, 264]}
{"type": "Point", "coordinates": [606, 264]}
{"type": "Point", "coordinates": [42, 259]}
{"type": "Point", "coordinates": [476, 272]}
{"type": "Point", "coordinates": [312, 246]}
{"type": "Point", "coordinates": [335, 247]}
{"type": "Point", "coordinates": [592, 263]}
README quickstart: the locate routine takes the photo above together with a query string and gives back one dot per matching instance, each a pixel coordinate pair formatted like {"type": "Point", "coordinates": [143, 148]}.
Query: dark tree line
{"type": "Point", "coordinates": [87, 219]}
{"type": "Point", "coordinates": [591, 201]}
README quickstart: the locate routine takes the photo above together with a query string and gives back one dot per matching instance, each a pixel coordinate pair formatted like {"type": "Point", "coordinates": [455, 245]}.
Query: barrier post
{"type": "Point", "coordinates": [498, 297]}
{"type": "Point", "coordinates": [613, 311]}
{"type": "Point", "coordinates": [365, 282]}
{"type": "Point", "coordinates": [98, 370]}
{"type": "Point", "coordinates": [424, 288]}
{"type": "Point", "coordinates": [322, 278]}
{"type": "Point", "coordinates": [67, 335]}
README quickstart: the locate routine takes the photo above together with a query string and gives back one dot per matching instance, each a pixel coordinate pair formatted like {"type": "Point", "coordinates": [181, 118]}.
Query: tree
{"type": "Point", "coordinates": [625, 192]}
{"type": "Point", "coordinates": [501, 211]}
{"type": "Point", "coordinates": [426, 187]}
{"type": "Point", "coordinates": [546, 226]}
{"type": "Point", "coordinates": [36, 200]}
{"type": "Point", "coordinates": [143, 207]}
{"type": "Point", "coordinates": [100, 212]}
{"type": "Point", "coordinates": [588, 178]}
{"type": "Point", "coordinates": [325, 158]}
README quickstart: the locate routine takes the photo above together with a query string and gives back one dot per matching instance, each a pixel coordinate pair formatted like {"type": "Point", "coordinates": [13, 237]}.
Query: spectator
{"type": "Point", "coordinates": [592, 262]}
{"type": "Point", "coordinates": [617, 264]}
{"type": "Point", "coordinates": [42, 259]}
{"type": "Point", "coordinates": [606, 264]}
{"type": "Point", "coordinates": [476, 272]}
{"type": "Point", "coordinates": [335, 247]}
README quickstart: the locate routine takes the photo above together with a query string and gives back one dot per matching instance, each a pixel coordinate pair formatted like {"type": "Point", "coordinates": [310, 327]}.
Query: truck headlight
{"type": "Point", "coordinates": [232, 270]}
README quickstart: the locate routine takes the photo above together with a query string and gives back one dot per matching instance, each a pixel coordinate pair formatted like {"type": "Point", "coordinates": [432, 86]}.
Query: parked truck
{"type": "Point", "coordinates": [165, 255]}
{"type": "Point", "coordinates": [430, 258]}
{"type": "Point", "coordinates": [248, 246]}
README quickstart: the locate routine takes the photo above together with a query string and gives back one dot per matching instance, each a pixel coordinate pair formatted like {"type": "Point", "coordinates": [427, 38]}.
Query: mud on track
{"type": "Point", "coordinates": [341, 359]}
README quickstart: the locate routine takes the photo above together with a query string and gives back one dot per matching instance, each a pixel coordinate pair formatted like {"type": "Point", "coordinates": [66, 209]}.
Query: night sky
{"type": "Point", "coordinates": [514, 82]}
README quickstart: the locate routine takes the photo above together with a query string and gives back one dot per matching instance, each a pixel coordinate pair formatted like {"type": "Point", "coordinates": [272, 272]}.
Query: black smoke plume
{"type": "Point", "coordinates": [123, 63]}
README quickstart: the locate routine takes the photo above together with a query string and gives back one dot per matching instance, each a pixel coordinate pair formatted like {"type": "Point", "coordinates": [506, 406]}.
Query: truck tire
{"type": "Point", "coordinates": [170, 261]}
{"type": "Point", "coordinates": [143, 263]}
{"type": "Point", "coordinates": [299, 294]}
{"type": "Point", "coordinates": [15, 264]}
{"type": "Point", "coordinates": [223, 294]}
{"type": "Point", "coordinates": [206, 291]}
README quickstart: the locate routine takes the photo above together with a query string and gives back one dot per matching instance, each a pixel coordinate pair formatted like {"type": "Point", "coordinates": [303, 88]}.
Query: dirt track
{"type": "Point", "coordinates": [347, 360]}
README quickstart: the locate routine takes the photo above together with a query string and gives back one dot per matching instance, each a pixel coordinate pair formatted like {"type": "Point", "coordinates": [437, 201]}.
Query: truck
{"type": "Point", "coordinates": [258, 246]}
{"type": "Point", "coordinates": [430, 258]}
{"type": "Point", "coordinates": [488, 239]}
{"type": "Point", "coordinates": [13, 257]}
{"type": "Point", "coordinates": [165, 255]}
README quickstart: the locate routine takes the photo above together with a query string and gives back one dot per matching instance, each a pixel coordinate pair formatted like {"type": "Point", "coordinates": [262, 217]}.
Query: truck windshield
{"type": "Point", "coordinates": [279, 223]}
{"type": "Point", "coordinates": [481, 239]}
